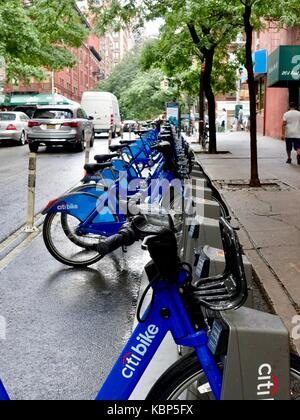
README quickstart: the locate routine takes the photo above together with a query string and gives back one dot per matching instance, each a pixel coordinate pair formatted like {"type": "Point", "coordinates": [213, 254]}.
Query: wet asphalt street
{"type": "Point", "coordinates": [57, 171]}
{"type": "Point", "coordinates": [64, 327]}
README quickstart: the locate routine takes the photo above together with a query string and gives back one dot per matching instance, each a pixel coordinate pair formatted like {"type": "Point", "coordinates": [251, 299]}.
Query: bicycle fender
{"type": "Point", "coordinates": [78, 204]}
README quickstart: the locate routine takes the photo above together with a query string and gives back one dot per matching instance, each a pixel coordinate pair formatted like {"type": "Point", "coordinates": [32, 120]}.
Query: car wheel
{"type": "Point", "coordinates": [22, 140]}
{"type": "Point", "coordinates": [34, 147]}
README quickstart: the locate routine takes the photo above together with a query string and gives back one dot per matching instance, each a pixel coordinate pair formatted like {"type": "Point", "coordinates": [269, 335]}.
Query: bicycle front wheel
{"type": "Point", "coordinates": [65, 246]}
{"type": "Point", "coordinates": [186, 381]}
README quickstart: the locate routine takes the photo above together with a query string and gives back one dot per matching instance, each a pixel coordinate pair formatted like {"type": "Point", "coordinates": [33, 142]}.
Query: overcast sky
{"type": "Point", "coordinates": [152, 28]}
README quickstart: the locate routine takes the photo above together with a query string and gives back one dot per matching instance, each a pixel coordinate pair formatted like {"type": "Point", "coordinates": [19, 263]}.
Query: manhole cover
{"type": "Point", "coordinates": [243, 184]}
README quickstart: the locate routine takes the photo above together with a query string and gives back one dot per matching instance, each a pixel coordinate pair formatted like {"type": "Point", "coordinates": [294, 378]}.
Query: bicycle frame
{"type": "Point", "coordinates": [167, 314]}
{"type": "Point", "coordinates": [88, 202]}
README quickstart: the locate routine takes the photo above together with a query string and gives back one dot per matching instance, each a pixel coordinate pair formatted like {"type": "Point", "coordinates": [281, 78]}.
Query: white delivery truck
{"type": "Point", "coordinates": [104, 108]}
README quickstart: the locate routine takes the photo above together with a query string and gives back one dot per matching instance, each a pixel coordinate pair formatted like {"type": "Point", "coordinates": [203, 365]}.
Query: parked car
{"type": "Point", "coordinates": [59, 125]}
{"type": "Point", "coordinates": [14, 127]}
{"type": "Point", "coordinates": [130, 125]}
{"type": "Point", "coordinates": [29, 110]}
{"type": "Point", "coordinates": [104, 107]}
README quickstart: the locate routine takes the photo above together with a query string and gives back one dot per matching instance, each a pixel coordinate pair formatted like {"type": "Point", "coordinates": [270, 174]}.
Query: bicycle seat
{"type": "Point", "coordinates": [105, 158]}
{"type": "Point", "coordinates": [162, 146]}
{"type": "Point", "coordinates": [141, 132]}
{"type": "Point", "coordinates": [117, 147]}
{"type": "Point", "coordinates": [127, 142]}
{"type": "Point", "coordinates": [228, 291]}
{"type": "Point", "coordinates": [160, 240]}
{"type": "Point", "coordinates": [91, 168]}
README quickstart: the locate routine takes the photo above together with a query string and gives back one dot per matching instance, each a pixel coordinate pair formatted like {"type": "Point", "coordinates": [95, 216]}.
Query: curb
{"type": "Point", "coordinates": [270, 287]}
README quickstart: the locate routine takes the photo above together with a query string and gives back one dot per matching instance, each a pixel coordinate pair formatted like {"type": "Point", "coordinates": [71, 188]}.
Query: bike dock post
{"type": "Point", "coordinates": [87, 149]}
{"type": "Point", "coordinates": [109, 138]}
{"type": "Point", "coordinates": [30, 228]}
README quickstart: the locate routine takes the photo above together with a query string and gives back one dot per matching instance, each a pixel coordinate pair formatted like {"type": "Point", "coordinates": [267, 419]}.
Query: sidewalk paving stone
{"type": "Point", "coordinates": [269, 216]}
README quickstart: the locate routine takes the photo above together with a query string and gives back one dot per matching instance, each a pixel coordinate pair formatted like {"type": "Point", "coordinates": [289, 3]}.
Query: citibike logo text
{"type": "Point", "coordinates": [66, 206]}
{"type": "Point", "coordinates": [132, 359]}
{"type": "Point", "coordinates": [268, 383]}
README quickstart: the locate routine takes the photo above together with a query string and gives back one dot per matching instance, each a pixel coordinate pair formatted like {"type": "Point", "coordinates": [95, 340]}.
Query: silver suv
{"type": "Point", "coordinates": [60, 125]}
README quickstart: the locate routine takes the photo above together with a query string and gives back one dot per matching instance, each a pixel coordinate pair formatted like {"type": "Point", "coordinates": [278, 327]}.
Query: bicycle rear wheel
{"type": "Point", "coordinates": [186, 381]}
{"type": "Point", "coordinates": [65, 246]}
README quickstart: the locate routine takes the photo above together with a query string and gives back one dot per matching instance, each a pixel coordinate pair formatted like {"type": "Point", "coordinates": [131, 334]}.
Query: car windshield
{"type": "Point", "coordinates": [53, 114]}
{"type": "Point", "coordinates": [7, 117]}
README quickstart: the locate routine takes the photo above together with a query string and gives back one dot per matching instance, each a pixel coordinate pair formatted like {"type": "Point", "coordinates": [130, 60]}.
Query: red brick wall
{"type": "Point", "coordinates": [71, 82]}
{"type": "Point", "coordinates": [277, 105]}
{"type": "Point", "coordinates": [276, 98]}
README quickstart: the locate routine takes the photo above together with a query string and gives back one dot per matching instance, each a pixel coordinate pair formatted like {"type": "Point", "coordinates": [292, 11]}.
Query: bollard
{"type": "Point", "coordinates": [109, 138]}
{"type": "Point", "coordinates": [30, 228]}
{"type": "Point", "coordinates": [122, 133]}
{"type": "Point", "coordinates": [87, 149]}
{"type": "Point", "coordinates": [130, 133]}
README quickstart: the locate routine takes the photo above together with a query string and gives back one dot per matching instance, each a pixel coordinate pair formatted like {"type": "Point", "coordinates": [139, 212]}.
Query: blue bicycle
{"type": "Point", "coordinates": [77, 222]}
{"type": "Point", "coordinates": [192, 310]}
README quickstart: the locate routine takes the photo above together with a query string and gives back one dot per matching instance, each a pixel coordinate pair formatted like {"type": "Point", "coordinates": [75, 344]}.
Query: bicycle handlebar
{"type": "Point", "coordinates": [126, 237]}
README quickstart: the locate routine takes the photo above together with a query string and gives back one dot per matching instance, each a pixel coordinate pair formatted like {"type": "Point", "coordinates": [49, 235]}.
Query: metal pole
{"type": "Point", "coordinates": [87, 149]}
{"type": "Point", "coordinates": [29, 228]}
{"type": "Point", "coordinates": [130, 133]}
{"type": "Point", "coordinates": [109, 138]}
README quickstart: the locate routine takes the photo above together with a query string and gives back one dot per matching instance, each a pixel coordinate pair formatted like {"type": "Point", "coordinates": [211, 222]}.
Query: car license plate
{"type": "Point", "coordinates": [51, 126]}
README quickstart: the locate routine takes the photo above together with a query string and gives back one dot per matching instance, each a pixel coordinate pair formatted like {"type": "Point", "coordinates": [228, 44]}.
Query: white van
{"type": "Point", "coordinates": [104, 108]}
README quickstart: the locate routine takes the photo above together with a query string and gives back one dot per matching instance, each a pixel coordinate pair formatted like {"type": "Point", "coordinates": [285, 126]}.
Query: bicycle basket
{"type": "Point", "coordinates": [230, 290]}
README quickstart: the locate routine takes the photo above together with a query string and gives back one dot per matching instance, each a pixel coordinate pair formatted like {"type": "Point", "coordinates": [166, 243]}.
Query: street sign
{"type": "Point", "coordinates": [173, 110]}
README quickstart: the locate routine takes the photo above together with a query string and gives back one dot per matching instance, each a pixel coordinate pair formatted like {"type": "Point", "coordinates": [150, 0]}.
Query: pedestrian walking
{"type": "Point", "coordinates": [291, 132]}
{"type": "Point", "coordinates": [240, 123]}
{"type": "Point", "coordinates": [223, 120]}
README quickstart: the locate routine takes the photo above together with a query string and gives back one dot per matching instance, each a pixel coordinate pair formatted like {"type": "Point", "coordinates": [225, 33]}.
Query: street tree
{"type": "Point", "coordinates": [180, 60]}
{"type": "Point", "coordinates": [211, 26]}
{"type": "Point", "coordinates": [36, 35]}
{"type": "Point", "coordinates": [140, 92]}
{"type": "Point", "coordinates": [255, 15]}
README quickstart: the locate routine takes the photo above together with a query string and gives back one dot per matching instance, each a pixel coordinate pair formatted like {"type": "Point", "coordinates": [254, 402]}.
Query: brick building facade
{"type": "Point", "coordinates": [95, 61]}
{"type": "Point", "coordinates": [273, 98]}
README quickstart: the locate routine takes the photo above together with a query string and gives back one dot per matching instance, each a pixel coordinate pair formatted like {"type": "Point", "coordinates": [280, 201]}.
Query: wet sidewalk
{"type": "Point", "coordinates": [269, 216]}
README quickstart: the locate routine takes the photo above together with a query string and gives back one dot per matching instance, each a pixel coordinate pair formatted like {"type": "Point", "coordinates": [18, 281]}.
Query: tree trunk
{"type": "Point", "coordinates": [209, 58]}
{"type": "Point", "coordinates": [201, 108]}
{"type": "Point", "coordinates": [208, 55]}
{"type": "Point", "coordinates": [254, 182]}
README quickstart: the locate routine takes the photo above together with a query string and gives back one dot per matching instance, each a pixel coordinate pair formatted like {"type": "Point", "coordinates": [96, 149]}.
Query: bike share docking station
{"type": "Point", "coordinates": [251, 371]}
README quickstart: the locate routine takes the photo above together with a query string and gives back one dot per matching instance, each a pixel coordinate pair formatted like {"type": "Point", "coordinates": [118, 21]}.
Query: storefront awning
{"type": "Point", "coordinates": [284, 66]}
{"type": "Point", "coordinates": [16, 99]}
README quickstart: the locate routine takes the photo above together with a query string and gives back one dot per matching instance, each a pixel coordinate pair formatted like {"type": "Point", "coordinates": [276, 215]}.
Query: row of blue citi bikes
{"type": "Point", "coordinates": [232, 352]}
